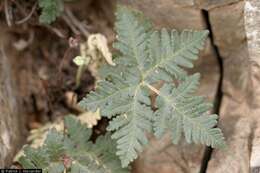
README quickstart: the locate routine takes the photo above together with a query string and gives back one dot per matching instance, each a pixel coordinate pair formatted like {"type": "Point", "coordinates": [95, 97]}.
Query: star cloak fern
{"type": "Point", "coordinates": [72, 152]}
{"type": "Point", "coordinates": [147, 57]}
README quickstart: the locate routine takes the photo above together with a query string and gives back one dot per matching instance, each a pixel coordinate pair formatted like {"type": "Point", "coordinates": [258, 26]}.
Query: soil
{"type": "Point", "coordinates": [43, 57]}
{"type": "Point", "coordinates": [47, 73]}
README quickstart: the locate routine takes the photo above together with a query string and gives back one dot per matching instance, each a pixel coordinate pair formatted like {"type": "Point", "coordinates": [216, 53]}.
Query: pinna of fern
{"type": "Point", "coordinates": [50, 10]}
{"type": "Point", "coordinates": [72, 151]}
{"type": "Point", "coordinates": [147, 57]}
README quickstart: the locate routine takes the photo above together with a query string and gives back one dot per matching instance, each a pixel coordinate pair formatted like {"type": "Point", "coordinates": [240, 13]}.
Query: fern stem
{"type": "Point", "coordinates": [79, 74]}
{"type": "Point", "coordinates": [152, 88]}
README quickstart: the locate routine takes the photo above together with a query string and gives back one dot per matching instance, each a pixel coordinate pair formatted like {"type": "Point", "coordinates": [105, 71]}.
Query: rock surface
{"type": "Point", "coordinates": [252, 26]}
{"type": "Point", "coordinates": [169, 14]}
{"type": "Point", "coordinates": [11, 120]}
{"type": "Point", "coordinates": [228, 28]}
{"type": "Point", "coordinates": [210, 4]}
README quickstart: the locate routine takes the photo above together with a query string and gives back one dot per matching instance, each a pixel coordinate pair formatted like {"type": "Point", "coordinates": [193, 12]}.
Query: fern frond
{"type": "Point", "coordinates": [51, 9]}
{"type": "Point", "coordinates": [123, 94]}
{"type": "Point", "coordinates": [130, 101]}
{"type": "Point", "coordinates": [147, 57]}
{"type": "Point", "coordinates": [77, 132]}
{"type": "Point", "coordinates": [170, 53]}
{"type": "Point", "coordinates": [35, 158]}
{"type": "Point", "coordinates": [73, 151]}
{"type": "Point", "coordinates": [132, 37]}
{"type": "Point", "coordinates": [53, 145]}
{"type": "Point", "coordinates": [180, 112]}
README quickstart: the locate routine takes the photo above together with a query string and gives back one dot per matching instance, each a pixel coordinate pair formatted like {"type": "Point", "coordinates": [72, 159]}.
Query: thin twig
{"type": "Point", "coordinates": [76, 22]}
{"type": "Point", "coordinates": [7, 14]}
{"type": "Point", "coordinates": [70, 24]}
{"type": "Point", "coordinates": [56, 31]}
{"type": "Point", "coordinates": [19, 7]}
{"type": "Point", "coordinates": [65, 56]}
{"type": "Point", "coordinates": [28, 16]}
{"type": "Point", "coordinates": [79, 75]}
{"type": "Point", "coordinates": [1, 6]}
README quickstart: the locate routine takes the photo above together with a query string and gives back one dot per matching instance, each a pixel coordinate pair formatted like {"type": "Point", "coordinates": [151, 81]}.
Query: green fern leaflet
{"type": "Point", "coordinates": [51, 9]}
{"type": "Point", "coordinates": [72, 152]}
{"type": "Point", "coordinates": [146, 58]}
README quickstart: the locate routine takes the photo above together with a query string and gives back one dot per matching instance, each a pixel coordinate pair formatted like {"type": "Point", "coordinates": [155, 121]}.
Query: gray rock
{"type": "Point", "coordinates": [11, 119]}
{"type": "Point", "coordinates": [168, 14]}
{"type": "Point", "coordinates": [228, 26]}
{"type": "Point", "coordinates": [210, 4]}
{"type": "Point", "coordinates": [252, 26]}
{"type": "Point", "coordinates": [235, 158]}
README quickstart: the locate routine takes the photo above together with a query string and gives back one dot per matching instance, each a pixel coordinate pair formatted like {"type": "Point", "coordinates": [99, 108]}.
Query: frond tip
{"type": "Point", "coordinates": [147, 57]}
{"type": "Point", "coordinates": [179, 111]}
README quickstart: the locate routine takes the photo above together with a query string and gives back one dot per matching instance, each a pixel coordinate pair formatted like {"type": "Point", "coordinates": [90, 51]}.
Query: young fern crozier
{"type": "Point", "coordinates": [147, 57]}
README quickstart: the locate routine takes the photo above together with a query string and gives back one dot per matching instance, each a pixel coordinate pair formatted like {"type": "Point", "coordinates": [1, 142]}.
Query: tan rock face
{"type": "Point", "coordinates": [210, 4]}
{"type": "Point", "coordinates": [228, 28]}
{"type": "Point", "coordinates": [11, 124]}
{"type": "Point", "coordinates": [235, 158]}
{"type": "Point", "coordinates": [161, 156]}
{"type": "Point", "coordinates": [169, 14]}
{"type": "Point", "coordinates": [227, 24]}
{"type": "Point", "coordinates": [252, 26]}
{"type": "Point", "coordinates": [184, 3]}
